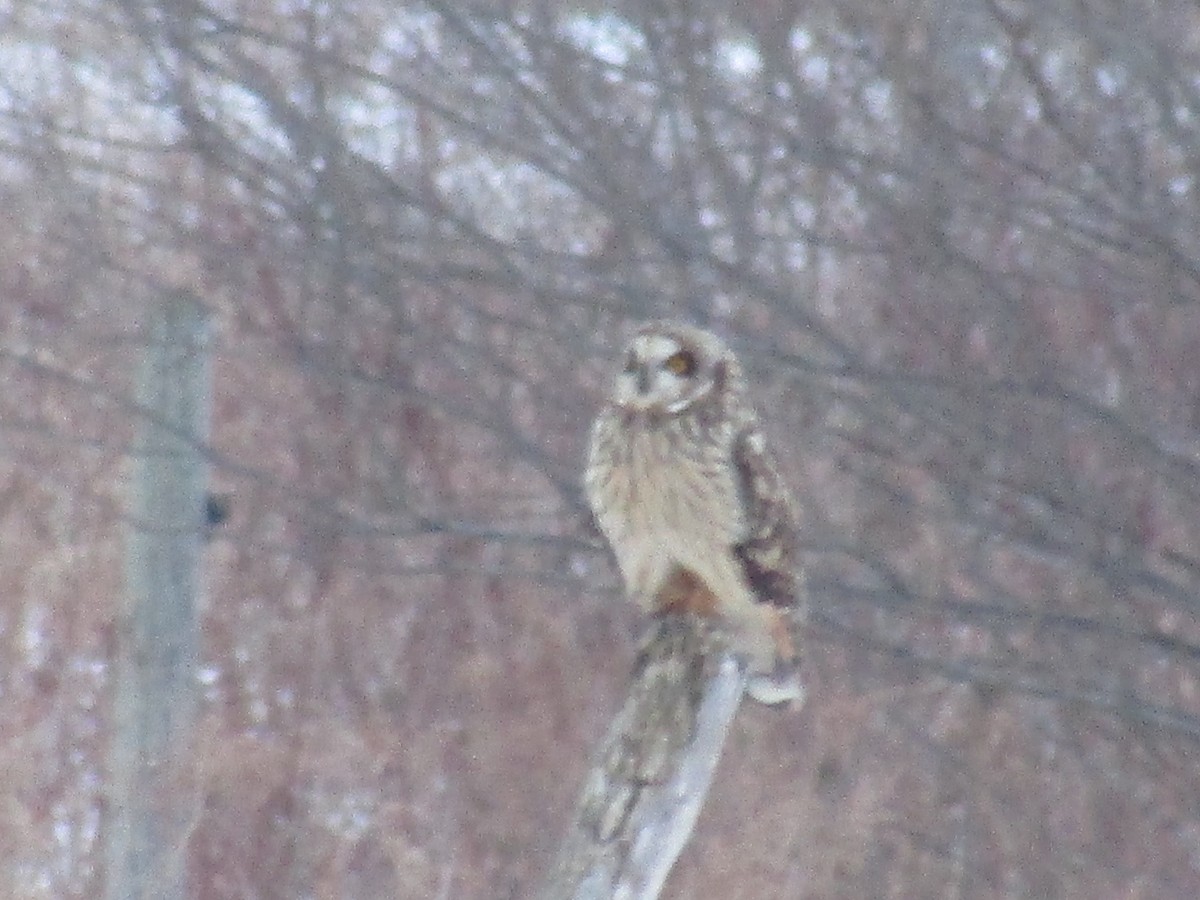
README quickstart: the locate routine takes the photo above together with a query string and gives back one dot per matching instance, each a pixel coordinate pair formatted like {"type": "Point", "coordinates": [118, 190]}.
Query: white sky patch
{"type": "Point", "coordinates": [1110, 79]}
{"type": "Point", "coordinates": [1053, 65]}
{"type": "Point", "coordinates": [349, 815]}
{"type": "Point", "coordinates": [709, 218]}
{"type": "Point", "coordinates": [993, 57]}
{"type": "Point", "coordinates": [102, 100]}
{"type": "Point", "coordinates": [608, 37]}
{"type": "Point", "coordinates": [377, 124]}
{"type": "Point", "coordinates": [878, 98]}
{"type": "Point", "coordinates": [508, 199]}
{"type": "Point", "coordinates": [33, 634]}
{"type": "Point", "coordinates": [804, 212]}
{"type": "Point", "coordinates": [233, 102]}
{"type": "Point", "coordinates": [739, 57]}
{"type": "Point", "coordinates": [801, 40]}
{"type": "Point", "coordinates": [413, 32]}
{"type": "Point", "coordinates": [259, 709]}
{"type": "Point", "coordinates": [1112, 386]}
{"type": "Point", "coordinates": [816, 71]}
{"type": "Point", "coordinates": [30, 69]}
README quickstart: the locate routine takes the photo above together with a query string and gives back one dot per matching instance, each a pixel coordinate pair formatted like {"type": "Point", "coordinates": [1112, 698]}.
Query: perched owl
{"type": "Point", "coordinates": [682, 486]}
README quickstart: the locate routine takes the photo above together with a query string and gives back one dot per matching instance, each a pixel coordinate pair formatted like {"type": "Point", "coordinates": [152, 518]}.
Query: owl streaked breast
{"type": "Point", "coordinates": [665, 497]}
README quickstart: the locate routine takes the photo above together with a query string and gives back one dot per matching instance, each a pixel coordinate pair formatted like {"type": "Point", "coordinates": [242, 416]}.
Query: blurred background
{"type": "Point", "coordinates": [957, 244]}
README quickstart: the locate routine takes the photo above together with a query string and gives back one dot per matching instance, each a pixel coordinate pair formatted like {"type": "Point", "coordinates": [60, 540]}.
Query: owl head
{"type": "Point", "coordinates": [667, 367]}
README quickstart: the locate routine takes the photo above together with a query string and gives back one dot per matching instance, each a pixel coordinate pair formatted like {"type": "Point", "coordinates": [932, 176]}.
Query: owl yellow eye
{"type": "Point", "coordinates": [680, 363]}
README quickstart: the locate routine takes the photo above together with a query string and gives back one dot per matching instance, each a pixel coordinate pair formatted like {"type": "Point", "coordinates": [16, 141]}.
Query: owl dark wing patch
{"type": "Point", "coordinates": [768, 552]}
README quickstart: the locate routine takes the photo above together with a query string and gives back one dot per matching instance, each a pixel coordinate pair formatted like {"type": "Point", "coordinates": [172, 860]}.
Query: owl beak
{"type": "Point", "coordinates": [643, 379]}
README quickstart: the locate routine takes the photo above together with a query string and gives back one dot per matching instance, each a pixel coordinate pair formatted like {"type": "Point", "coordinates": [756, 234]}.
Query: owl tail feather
{"type": "Point", "coordinates": [781, 685]}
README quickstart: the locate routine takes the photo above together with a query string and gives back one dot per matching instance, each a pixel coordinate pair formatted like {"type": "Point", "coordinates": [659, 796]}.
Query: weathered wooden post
{"type": "Point", "coordinates": [149, 803]}
{"type": "Point", "coordinates": [649, 779]}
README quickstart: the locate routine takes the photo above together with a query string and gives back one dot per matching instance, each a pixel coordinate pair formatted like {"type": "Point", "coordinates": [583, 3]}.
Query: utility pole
{"type": "Point", "coordinates": [150, 803]}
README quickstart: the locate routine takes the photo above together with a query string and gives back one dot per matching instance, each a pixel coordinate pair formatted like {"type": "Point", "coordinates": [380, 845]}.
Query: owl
{"type": "Point", "coordinates": [682, 486]}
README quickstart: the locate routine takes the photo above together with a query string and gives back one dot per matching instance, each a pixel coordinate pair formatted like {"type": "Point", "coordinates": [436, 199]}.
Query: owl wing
{"type": "Point", "coordinates": [768, 552]}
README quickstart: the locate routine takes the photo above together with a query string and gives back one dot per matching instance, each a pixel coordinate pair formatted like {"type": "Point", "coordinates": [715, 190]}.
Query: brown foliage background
{"type": "Point", "coordinates": [957, 246]}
